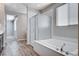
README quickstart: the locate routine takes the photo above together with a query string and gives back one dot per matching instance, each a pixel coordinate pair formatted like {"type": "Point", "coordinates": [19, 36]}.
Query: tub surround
{"type": "Point", "coordinates": [73, 40]}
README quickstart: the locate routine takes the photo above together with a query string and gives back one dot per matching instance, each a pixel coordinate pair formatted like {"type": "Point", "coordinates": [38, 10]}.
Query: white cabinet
{"type": "Point", "coordinates": [62, 15]}
{"type": "Point", "coordinates": [73, 14]}
{"type": "Point", "coordinates": [67, 14]}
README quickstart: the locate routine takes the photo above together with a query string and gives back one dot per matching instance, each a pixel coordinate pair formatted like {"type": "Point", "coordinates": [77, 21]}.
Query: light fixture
{"type": "Point", "coordinates": [10, 17]}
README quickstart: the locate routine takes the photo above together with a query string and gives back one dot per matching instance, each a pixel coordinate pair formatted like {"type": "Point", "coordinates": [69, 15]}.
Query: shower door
{"type": "Point", "coordinates": [43, 27]}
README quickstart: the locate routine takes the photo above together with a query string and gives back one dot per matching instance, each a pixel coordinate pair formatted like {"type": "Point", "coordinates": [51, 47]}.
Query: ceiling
{"type": "Point", "coordinates": [20, 8]}
{"type": "Point", "coordinates": [15, 8]}
{"type": "Point", "coordinates": [38, 6]}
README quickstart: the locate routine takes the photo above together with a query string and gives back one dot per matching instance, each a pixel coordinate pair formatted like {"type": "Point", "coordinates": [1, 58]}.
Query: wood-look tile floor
{"type": "Point", "coordinates": [26, 50]}
{"type": "Point", "coordinates": [18, 48]}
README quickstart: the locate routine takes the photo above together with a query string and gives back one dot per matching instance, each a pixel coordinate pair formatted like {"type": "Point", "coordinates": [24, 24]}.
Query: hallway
{"type": "Point", "coordinates": [18, 48]}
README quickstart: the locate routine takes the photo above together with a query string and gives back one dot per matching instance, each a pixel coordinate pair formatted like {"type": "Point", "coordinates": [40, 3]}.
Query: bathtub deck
{"type": "Point", "coordinates": [55, 45]}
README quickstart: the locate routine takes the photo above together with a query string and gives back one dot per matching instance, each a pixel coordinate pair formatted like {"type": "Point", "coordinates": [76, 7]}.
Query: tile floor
{"type": "Point", "coordinates": [18, 48]}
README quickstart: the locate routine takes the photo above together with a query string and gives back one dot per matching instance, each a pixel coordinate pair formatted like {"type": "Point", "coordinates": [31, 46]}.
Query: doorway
{"type": "Point", "coordinates": [11, 27]}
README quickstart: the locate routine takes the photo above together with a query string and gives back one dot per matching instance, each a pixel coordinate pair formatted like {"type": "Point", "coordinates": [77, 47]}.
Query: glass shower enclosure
{"type": "Point", "coordinates": [40, 27]}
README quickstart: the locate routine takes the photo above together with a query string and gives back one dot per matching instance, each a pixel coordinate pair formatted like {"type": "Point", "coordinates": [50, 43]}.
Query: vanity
{"type": "Point", "coordinates": [1, 42]}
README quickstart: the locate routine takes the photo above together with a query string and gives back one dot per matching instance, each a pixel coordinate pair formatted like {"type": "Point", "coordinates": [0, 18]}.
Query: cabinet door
{"type": "Point", "coordinates": [62, 15]}
{"type": "Point", "coordinates": [0, 42]}
{"type": "Point", "coordinates": [73, 13]}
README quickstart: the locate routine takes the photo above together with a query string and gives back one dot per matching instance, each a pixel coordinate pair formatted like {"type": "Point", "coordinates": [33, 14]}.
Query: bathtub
{"type": "Point", "coordinates": [52, 47]}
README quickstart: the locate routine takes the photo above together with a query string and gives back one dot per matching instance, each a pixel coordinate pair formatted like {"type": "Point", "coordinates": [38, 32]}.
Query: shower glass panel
{"type": "Point", "coordinates": [32, 25]}
{"type": "Point", "coordinates": [40, 27]}
{"type": "Point", "coordinates": [43, 26]}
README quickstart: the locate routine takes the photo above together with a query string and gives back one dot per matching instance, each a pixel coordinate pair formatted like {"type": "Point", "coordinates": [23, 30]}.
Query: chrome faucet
{"type": "Point", "coordinates": [62, 47]}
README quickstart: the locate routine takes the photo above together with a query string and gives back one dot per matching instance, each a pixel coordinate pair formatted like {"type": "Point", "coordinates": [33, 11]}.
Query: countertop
{"type": "Point", "coordinates": [1, 32]}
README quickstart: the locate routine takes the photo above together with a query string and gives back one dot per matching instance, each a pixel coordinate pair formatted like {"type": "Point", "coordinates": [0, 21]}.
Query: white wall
{"type": "Point", "coordinates": [21, 26]}
{"type": "Point", "coordinates": [2, 16]}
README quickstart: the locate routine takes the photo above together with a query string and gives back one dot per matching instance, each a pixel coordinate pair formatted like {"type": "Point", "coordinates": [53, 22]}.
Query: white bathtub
{"type": "Point", "coordinates": [53, 46]}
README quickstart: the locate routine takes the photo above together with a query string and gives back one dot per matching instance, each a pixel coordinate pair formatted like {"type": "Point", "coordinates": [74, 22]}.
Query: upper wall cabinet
{"type": "Point", "coordinates": [73, 14]}
{"type": "Point", "coordinates": [67, 14]}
